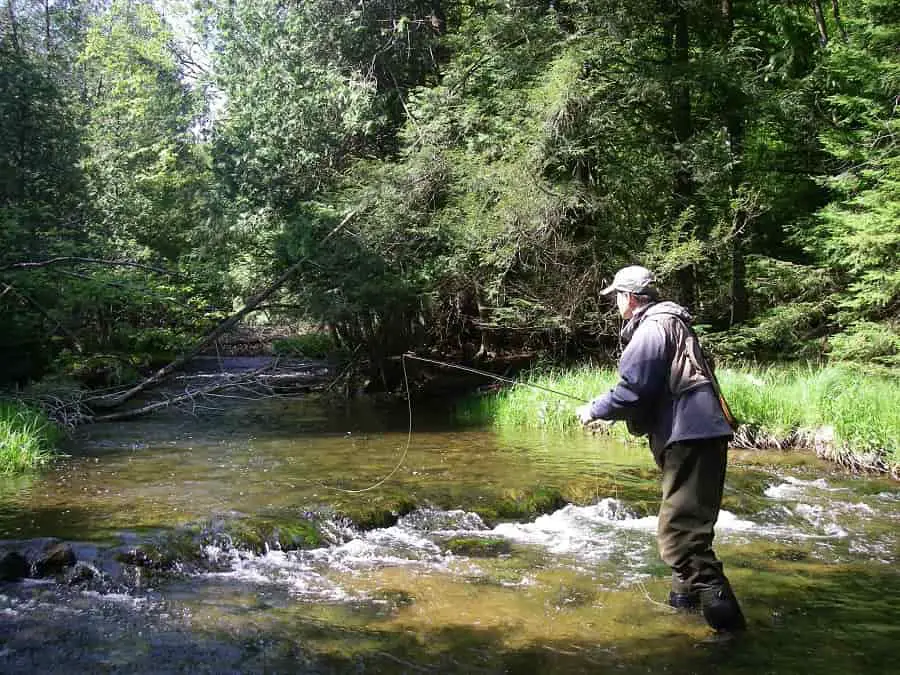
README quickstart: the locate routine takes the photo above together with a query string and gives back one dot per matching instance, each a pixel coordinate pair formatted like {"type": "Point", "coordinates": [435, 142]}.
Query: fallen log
{"type": "Point", "coordinates": [109, 401]}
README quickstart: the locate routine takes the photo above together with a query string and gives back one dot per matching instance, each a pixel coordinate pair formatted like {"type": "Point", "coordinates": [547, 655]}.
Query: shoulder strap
{"type": "Point", "coordinates": [713, 380]}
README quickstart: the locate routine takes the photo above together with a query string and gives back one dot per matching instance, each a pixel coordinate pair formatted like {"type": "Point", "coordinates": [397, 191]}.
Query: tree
{"type": "Point", "coordinates": [146, 178]}
{"type": "Point", "coordinates": [859, 235]}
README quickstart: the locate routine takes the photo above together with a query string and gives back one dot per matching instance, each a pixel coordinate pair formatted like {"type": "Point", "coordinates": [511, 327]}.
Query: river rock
{"type": "Point", "coordinates": [81, 573]}
{"type": "Point", "coordinates": [56, 560]}
{"type": "Point", "coordinates": [150, 557]}
{"type": "Point", "coordinates": [13, 567]}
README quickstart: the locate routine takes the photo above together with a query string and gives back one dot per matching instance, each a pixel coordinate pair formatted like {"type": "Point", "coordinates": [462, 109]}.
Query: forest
{"type": "Point", "coordinates": [455, 176]}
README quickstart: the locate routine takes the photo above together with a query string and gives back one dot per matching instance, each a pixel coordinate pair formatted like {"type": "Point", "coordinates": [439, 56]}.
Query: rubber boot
{"type": "Point", "coordinates": [721, 609]}
{"type": "Point", "coordinates": [682, 597]}
{"type": "Point", "coordinates": [684, 602]}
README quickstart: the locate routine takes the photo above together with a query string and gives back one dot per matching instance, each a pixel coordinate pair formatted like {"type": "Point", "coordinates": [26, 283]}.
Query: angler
{"type": "Point", "coordinates": [668, 391]}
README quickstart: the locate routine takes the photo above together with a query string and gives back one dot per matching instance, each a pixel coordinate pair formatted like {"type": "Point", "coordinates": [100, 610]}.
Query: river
{"type": "Point", "coordinates": [243, 539]}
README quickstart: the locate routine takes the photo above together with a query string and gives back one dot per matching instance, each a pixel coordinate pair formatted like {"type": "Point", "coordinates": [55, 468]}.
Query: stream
{"type": "Point", "coordinates": [245, 540]}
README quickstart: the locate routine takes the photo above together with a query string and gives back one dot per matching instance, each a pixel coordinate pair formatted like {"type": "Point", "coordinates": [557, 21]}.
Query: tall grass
{"type": "Point", "coordinates": [856, 411]}
{"type": "Point", "coordinates": [27, 438]}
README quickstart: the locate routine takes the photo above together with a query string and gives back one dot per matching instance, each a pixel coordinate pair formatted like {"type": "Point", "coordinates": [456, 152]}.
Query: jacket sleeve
{"type": "Point", "coordinates": [643, 376]}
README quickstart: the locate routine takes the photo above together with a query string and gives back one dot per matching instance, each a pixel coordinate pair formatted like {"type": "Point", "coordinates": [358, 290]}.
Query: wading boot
{"type": "Point", "coordinates": [682, 597]}
{"type": "Point", "coordinates": [721, 610]}
{"type": "Point", "coordinates": [684, 602]}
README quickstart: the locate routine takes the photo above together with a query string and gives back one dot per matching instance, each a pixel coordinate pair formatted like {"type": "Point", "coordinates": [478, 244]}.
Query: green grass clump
{"type": "Point", "coordinates": [27, 438]}
{"type": "Point", "coordinates": [855, 410]}
{"type": "Point", "coordinates": [530, 408]}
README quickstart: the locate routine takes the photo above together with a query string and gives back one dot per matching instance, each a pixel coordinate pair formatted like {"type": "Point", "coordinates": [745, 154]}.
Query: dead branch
{"type": "Point", "coordinates": [115, 400]}
{"type": "Point", "coordinates": [229, 383]}
{"type": "Point", "coordinates": [75, 260]}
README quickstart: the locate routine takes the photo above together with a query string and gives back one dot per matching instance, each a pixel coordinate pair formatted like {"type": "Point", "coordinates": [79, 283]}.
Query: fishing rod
{"type": "Point", "coordinates": [515, 383]}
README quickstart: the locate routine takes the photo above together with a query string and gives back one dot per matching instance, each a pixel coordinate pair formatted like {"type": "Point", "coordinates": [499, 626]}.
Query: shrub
{"type": "Point", "coordinates": [310, 345]}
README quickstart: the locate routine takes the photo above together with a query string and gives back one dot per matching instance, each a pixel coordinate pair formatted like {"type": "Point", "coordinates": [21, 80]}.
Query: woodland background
{"type": "Point", "coordinates": [461, 176]}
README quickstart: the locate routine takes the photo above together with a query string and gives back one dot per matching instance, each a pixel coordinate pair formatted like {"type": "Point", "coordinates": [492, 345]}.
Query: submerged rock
{"type": "Point", "coordinates": [81, 573]}
{"type": "Point", "coordinates": [474, 547]}
{"type": "Point", "coordinates": [150, 557]}
{"type": "Point", "coordinates": [13, 567]}
{"type": "Point", "coordinates": [522, 506]}
{"type": "Point", "coordinates": [55, 560]}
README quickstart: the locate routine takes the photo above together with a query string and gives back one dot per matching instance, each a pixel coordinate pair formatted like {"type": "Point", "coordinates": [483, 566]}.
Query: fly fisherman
{"type": "Point", "coordinates": [667, 390]}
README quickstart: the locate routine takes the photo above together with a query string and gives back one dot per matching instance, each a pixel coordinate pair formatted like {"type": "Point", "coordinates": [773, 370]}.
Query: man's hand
{"type": "Point", "coordinates": [583, 413]}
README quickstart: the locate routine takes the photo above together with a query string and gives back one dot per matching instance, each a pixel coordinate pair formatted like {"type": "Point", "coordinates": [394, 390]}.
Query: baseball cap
{"type": "Point", "coordinates": [633, 279]}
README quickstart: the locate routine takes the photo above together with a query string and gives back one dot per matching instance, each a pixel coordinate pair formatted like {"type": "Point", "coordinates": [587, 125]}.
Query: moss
{"type": "Point", "coordinates": [478, 548]}
{"type": "Point", "coordinates": [522, 505]}
{"type": "Point", "coordinates": [259, 534]}
{"type": "Point", "coordinates": [376, 516]}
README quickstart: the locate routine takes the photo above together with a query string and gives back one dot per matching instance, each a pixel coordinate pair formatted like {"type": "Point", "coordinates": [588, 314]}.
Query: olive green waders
{"type": "Point", "coordinates": [693, 477]}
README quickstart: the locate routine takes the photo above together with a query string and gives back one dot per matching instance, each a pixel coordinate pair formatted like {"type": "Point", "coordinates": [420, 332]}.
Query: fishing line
{"type": "Point", "coordinates": [508, 380]}
{"type": "Point", "coordinates": [409, 407]}
{"type": "Point", "coordinates": [405, 450]}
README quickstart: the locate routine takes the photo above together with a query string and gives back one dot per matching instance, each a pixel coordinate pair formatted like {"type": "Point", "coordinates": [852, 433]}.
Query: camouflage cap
{"type": "Point", "coordinates": [634, 279]}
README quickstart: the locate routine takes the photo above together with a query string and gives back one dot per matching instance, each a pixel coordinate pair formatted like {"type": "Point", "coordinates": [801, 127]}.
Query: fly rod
{"type": "Point", "coordinates": [508, 380]}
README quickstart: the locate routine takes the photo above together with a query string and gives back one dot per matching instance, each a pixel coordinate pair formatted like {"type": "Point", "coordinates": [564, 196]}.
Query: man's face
{"type": "Point", "coordinates": [625, 303]}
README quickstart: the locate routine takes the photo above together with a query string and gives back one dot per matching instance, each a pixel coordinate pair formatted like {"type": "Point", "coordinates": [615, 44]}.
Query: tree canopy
{"type": "Point", "coordinates": [459, 175]}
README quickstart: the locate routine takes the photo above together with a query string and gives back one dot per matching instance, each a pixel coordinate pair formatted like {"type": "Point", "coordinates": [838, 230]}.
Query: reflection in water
{"type": "Point", "coordinates": [449, 587]}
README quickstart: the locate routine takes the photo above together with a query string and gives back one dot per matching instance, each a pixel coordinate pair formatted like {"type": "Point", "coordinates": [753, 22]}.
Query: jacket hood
{"type": "Point", "coordinates": [669, 308]}
{"type": "Point", "coordinates": [657, 308]}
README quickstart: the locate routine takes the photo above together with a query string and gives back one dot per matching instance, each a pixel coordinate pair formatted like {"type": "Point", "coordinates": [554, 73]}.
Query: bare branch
{"type": "Point", "coordinates": [74, 260]}
{"type": "Point", "coordinates": [175, 400]}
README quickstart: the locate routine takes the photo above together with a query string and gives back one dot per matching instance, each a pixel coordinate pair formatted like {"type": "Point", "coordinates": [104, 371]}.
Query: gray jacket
{"type": "Point", "coordinates": [665, 388]}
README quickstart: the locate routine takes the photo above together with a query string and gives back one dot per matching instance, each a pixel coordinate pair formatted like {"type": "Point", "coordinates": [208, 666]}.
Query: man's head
{"type": "Point", "coordinates": [634, 287]}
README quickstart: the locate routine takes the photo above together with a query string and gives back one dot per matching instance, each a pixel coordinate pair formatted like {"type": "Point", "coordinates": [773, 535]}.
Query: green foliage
{"type": "Point", "coordinates": [859, 236]}
{"type": "Point", "coordinates": [109, 171]}
{"type": "Point", "coordinates": [866, 341]}
{"type": "Point", "coordinates": [783, 333]}
{"type": "Point", "coordinates": [146, 182]}
{"type": "Point", "coordinates": [862, 408]}
{"type": "Point", "coordinates": [455, 175]}
{"type": "Point", "coordinates": [27, 438]}
{"type": "Point", "coordinates": [311, 346]}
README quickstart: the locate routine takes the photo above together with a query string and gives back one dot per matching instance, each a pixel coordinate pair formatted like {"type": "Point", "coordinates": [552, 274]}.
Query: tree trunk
{"type": "Point", "coordinates": [734, 126]}
{"type": "Point", "coordinates": [820, 22]}
{"type": "Point", "coordinates": [682, 129]}
{"type": "Point", "coordinates": [13, 25]}
{"type": "Point", "coordinates": [47, 25]}
{"type": "Point", "coordinates": [836, 10]}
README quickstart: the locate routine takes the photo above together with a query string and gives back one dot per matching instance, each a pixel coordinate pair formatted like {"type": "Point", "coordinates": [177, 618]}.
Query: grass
{"type": "Point", "coordinates": [27, 438]}
{"type": "Point", "coordinates": [846, 413]}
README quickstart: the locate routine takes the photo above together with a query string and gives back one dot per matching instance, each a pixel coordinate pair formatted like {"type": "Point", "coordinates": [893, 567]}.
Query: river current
{"type": "Point", "coordinates": [456, 564]}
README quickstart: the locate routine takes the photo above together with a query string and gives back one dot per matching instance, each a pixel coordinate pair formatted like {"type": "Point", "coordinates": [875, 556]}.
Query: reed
{"type": "Point", "coordinates": [27, 438]}
{"type": "Point", "coordinates": [844, 412]}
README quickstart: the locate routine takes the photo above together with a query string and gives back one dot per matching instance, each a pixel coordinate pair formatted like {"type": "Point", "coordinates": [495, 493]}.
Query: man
{"type": "Point", "coordinates": [667, 390]}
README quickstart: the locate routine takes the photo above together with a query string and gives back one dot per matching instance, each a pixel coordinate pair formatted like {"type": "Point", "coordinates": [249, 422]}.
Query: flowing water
{"type": "Point", "coordinates": [232, 543]}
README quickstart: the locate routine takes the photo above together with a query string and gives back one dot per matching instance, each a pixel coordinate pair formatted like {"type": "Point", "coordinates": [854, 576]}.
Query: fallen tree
{"type": "Point", "coordinates": [109, 401]}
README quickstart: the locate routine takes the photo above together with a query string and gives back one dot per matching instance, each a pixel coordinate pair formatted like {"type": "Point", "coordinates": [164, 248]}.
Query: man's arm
{"type": "Point", "coordinates": [643, 376]}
